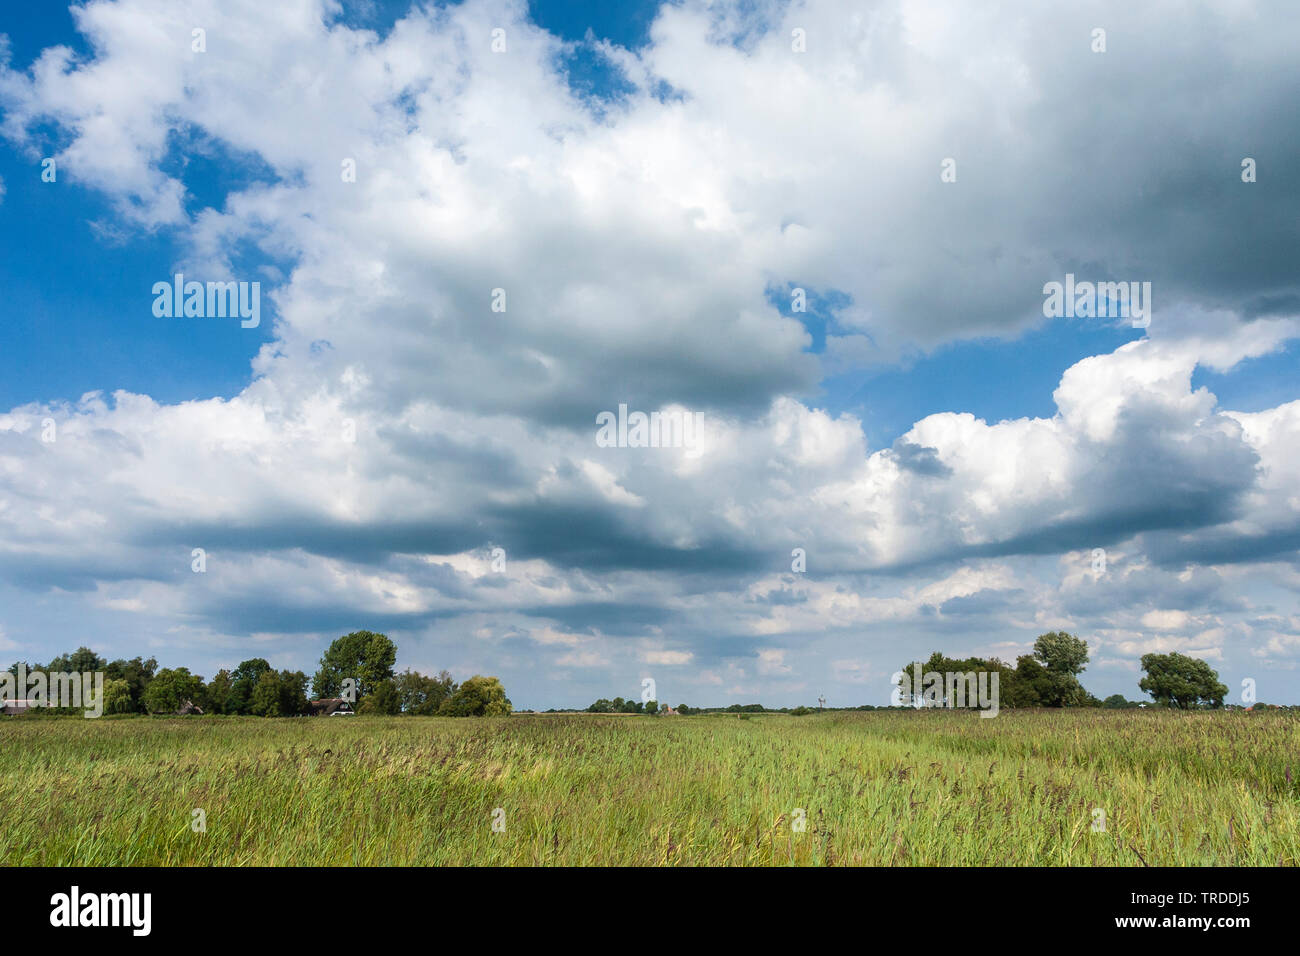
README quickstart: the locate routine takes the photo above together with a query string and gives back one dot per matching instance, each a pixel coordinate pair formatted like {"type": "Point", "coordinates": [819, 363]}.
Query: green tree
{"type": "Point", "coordinates": [940, 664]}
{"type": "Point", "coordinates": [1044, 679]}
{"type": "Point", "coordinates": [117, 697]}
{"type": "Point", "coordinates": [171, 688]}
{"type": "Point", "coordinates": [137, 673]}
{"type": "Point", "coordinates": [363, 656]}
{"type": "Point", "coordinates": [1013, 690]}
{"type": "Point", "coordinates": [221, 693]}
{"type": "Point", "coordinates": [243, 682]}
{"type": "Point", "coordinates": [420, 695]}
{"type": "Point", "coordinates": [478, 697]}
{"type": "Point", "coordinates": [1063, 656]}
{"type": "Point", "coordinates": [82, 660]}
{"type": "Point", "coordinates": [1061, 653]}
{"type": "Point", "coordinates": [266, 695]}
{"type": "Point", "coordinates": [1035, 686]}
{"type": "Point", "coordinates": [1176, 680]}
{"type": "Point", "coordinates": [382, 698]}
{"type": "Point", "coordinates": [652, 707]}
{"type": "Point", "coordinates": [293, 693]}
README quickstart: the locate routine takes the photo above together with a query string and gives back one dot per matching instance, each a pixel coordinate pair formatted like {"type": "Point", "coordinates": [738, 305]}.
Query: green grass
{"type": "Point", "coordinates": [885, 788]}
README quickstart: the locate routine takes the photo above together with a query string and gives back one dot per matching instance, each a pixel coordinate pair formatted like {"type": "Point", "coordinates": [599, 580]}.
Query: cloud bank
{"type": "Point", "coordinates": [515, 257]}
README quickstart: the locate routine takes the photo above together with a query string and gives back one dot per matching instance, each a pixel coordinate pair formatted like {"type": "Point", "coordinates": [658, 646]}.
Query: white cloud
{"type": "Point", "coordinates": [637, 252]}
{"type": "Point", "coordinates": [1168, 620]}
{"type": "Point", "coordinates": [668, 658]}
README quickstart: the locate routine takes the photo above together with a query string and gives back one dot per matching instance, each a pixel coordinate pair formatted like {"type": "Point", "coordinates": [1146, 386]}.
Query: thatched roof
{"type": "Point", "coordinates": [328, 706]}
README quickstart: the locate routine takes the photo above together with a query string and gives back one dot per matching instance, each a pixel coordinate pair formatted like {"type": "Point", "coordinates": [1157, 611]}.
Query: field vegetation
{"type": "Point", "coordinates": [929, 787]}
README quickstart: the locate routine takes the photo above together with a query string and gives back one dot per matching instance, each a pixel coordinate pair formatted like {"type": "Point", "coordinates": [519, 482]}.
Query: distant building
{"type": "Point", "coordinates": [665, 709]}
{"type": "Point", "coordinates": [329, 707]}
{"type": "Point", "coordinates": [188, 707]}
{"type": "Point", "coordinates": [15, 707]}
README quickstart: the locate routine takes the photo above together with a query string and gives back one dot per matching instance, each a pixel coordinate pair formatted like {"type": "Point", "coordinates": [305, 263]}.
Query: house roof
{"type": "Point", "coordinates": [328, 705]}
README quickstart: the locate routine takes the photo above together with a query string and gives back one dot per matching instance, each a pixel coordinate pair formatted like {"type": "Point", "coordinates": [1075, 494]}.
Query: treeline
{"type": "Point", "coordinates": [1048, 677]}
{"type": "Point", "coordinates": [125, 681]}
{"type": "Point", "coordinates": [652, 707]}
{"type": "Point", "coordinates": [357, 667]}
{"type": "Point", "coordinates": [620, 706]}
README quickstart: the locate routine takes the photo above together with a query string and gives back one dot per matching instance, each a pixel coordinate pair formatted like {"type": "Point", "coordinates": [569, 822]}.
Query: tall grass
{"type": "Point", "coordinates": [890, 788]}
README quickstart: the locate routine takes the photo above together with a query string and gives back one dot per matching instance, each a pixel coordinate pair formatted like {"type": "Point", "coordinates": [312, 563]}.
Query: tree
{"type": "Point", "coordinates": [81, 661]}
{"type": "Point", "coordinates": [137, 673]}
{"type": "Point", "coordinates": [942, 665]}
{"type": "Point", "coordinates": [1029, 686]}
{"type": "Point", "coordinates": [221, 693]}
{"type": "Point", "coordinates": [363, 656]}
{"type": "Point", "coordinates": [478, 697]}
{"type": "Point", "coordinates": [293, 693]}
{"type": "Point", "coordinates": [266, 695]}
{"type": "Point", "coordinates": [1118, 702]}
{"type": "Point", "coordinates": [420, 695]}
{"type": "Point", "coordinates": [1061, 653]}
{"type": "Point", "coordinates": [171, 688]}
{"type": "Point", "coordinates": [117, 697]}
{"type": "Point", "coordinates": [1015, 686]}
{"type": "Point", "coordinates": [1176, 680]}
{"type": "Point", "coordinates": [1063, 656]}
{"type": "Point", "coordinates": [382, 699]}
{"type": "Point", "coordinates": [1043, 679]}
{"type": "Point", "coordinates": [243, 683]}
{"type": "Point", "coordinates": [652, 707]}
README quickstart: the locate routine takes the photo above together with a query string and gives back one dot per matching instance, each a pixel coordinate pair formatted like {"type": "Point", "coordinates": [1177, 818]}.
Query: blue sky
{"type": "Point", "coordinates": [62, 338]}
{"type": "Point", "coordinates": [946, 454]}
{"type": "Point", "coordinates": [67, 338]}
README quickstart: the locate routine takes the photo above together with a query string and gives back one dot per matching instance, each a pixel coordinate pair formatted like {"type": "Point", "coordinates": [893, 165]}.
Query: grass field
{"type": "Point", "coordinates": [891, 788]}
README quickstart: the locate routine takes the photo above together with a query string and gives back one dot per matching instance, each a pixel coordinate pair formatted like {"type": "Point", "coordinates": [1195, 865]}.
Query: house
{"type": "Point", "coordinates": [665, 709]}
{"type": "Point", "coordinates": [329, 707]}
{"type": "Point", "coordinates": [15, 707]}
{"type": "Point", "coordinates": [188, 707]}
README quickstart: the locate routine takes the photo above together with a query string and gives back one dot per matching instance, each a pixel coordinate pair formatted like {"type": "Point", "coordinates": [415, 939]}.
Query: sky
{"type": "Point", "coordinates": [825, 229]}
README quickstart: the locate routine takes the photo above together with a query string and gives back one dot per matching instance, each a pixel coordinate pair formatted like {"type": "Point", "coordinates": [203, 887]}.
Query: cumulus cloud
{"type": "Point", "coordinates": [398, 427]}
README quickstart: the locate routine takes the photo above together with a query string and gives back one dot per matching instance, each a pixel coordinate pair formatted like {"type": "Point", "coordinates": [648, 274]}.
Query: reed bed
{"type": "Point", "coordinates": [877, 788]}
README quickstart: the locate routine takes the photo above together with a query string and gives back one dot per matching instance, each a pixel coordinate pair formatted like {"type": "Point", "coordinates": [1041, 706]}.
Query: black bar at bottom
{"type": "Point", "coordinates": [363, 906]}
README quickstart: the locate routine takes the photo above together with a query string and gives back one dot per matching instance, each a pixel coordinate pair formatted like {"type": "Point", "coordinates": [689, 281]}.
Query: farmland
{"type": "Point", "coordinates": [877, 788]}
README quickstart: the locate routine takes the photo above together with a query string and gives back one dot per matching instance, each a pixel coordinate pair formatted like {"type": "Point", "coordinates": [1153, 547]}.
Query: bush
{"type": "Point", "coordinates": [478, 697]}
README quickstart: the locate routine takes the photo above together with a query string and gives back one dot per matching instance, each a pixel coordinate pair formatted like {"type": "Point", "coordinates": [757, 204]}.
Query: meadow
{"type": "Point", "coordinates": [879, 788]}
